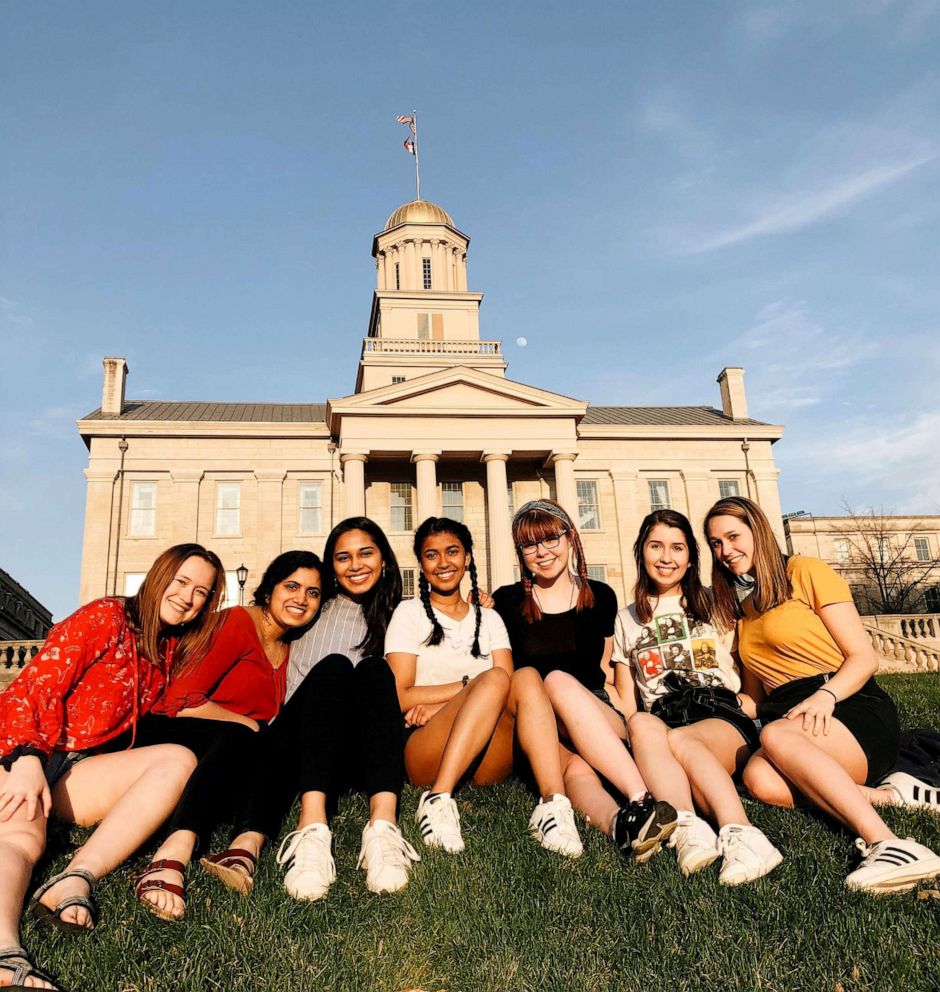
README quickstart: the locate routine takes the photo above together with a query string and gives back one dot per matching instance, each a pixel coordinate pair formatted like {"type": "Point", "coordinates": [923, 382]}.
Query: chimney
{"type": "Point", "coordinates": [112, 393]}
{"type": "Point", "coordinates": [733, 397]}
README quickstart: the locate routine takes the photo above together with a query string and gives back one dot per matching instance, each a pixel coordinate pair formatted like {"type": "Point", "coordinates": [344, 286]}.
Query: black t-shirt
{"type": "Point", "coordinates": [571, 642]}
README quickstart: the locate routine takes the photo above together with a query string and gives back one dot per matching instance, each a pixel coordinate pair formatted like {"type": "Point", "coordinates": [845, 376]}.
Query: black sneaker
{"type": "Point", "coordinates": [640, 827]}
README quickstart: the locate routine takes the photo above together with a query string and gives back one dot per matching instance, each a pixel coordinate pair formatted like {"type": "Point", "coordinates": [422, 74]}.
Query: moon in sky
{"type": "Point", "coordinates": [522, 342]}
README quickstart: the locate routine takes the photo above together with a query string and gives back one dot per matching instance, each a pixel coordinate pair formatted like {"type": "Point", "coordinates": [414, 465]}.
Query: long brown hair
{"type": "Point", "coordinates": [535, 521]}
{"type": "Point", "coordinates": [143, 609]}
{"type": "Point", "coordinates": [771, 584]}
{"type": "Point", "coordinates": [695, 599]}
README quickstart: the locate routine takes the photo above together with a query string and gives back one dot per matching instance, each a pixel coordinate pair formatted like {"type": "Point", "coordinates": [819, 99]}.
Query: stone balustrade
{"type": "Point", "coordinates": [914, 626]}
{"type": "Point", "coordinates": [423, 346]}
{"type": "Point", "coordinates": [14, 656]}
{"type": "Point", "coordinates": [901, 654]}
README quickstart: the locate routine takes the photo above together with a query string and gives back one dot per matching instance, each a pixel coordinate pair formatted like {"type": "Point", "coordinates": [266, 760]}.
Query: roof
{"type": "Point", "coordinates": [419, 212]}
{"type": "Point", "coordinates": [706, 416]}
{"type": "Point", "coordinates": [239, 413]}
{"type": "Point", "coordinates": [315, 413]}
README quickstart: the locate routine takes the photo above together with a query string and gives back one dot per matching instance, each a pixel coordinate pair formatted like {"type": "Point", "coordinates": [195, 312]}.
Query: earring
{"type": "Point", "coordinates": [383, 569]}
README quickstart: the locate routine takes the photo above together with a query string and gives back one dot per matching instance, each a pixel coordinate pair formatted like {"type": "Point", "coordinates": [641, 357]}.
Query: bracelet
{"type": "Point", "coordinates": [822, 688]}
{"type": "Point", "coordinates": [464, 681]}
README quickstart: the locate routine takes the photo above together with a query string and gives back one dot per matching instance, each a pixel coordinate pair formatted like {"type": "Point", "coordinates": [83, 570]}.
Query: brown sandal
{"type": "Point", "coordinates": [143, 885]}
{"type": "Point", "coordinates": [234, 868]}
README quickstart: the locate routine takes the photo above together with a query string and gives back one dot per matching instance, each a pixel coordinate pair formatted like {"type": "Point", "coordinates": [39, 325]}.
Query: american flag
{"type": "Point", "coordinates": [409, 146]}
{"type": "Point", "coordinates": [406, 119]}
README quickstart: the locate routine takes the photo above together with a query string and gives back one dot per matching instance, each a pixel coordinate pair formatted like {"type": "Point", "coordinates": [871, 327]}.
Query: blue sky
{"type": "Point", "coordinates": [196, 185]}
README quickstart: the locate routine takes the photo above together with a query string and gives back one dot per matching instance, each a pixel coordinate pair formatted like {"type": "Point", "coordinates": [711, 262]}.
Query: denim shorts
{"type": "Point", "coordinates": [62, 762]}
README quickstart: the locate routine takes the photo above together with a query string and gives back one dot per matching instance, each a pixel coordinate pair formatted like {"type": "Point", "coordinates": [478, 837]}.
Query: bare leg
{"type": "Point", "coordinates": [828, 769]}
{"type": "Point", "coordinates": [536, 730]}
{"type": "Point", "coordinates": [596, 732]}
{"type": "Point", "coordinates": [661, 770]}
{"type": "Point", "coordinates": [587, 794]}
{"type": "Point", "coordinates": [709, 753]}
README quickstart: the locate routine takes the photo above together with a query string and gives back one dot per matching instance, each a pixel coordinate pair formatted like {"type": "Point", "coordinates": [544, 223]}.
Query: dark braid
{"type": "Point", "coordinates": [585, 595]}
{"type": "Point", "coordinates": [477, 609]}
{"type": "Point", "coordinates": [530, 608]}
{"type": "Point", "coordinates": [437, 631]}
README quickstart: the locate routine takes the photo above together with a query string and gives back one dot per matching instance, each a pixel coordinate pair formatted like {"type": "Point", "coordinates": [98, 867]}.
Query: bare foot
{"type": "Point", "coordinates": [77, 915]}
{"type": "Point", "coordinates": [165, 900]}
{"type": "Point", "coordinates": [8, 968]}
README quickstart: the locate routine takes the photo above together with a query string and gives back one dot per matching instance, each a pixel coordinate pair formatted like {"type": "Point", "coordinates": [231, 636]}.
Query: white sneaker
{"type": "Point", "coordinates": [746, 853]}
{"type": "Point", "coordinates": [894, 865]}
{"type": "Point", "coordinates": [386, 857]}
{"type": "Point", "coordinates": [552, 825]}
{"type": "Point", "coordinates": [309, 869]}
{"type": "Point", "coordinates": [439, 822]}
{"type": "Point", "coordinates": [695, 842]}
{"type": "Point", "coordinates": [910, 791]}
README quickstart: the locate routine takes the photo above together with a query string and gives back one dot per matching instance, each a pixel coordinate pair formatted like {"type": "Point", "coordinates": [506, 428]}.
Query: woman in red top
{"type": "Point", "coordinates": [99, 670]}
{"type": "Point", "coordinates": [215, 705]}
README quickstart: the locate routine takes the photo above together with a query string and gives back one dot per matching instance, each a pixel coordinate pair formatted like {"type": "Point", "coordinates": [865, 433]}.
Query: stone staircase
{"type": "Point", "coordinates": [14, 656]}
{"type": "Point", "coordinates": [901, 654]}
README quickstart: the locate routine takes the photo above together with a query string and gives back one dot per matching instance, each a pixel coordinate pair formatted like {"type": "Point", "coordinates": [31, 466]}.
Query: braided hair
{"type": "Point", "coordinates": [535, 521]}
{"type": "Point", "coordinates": [444, 525]}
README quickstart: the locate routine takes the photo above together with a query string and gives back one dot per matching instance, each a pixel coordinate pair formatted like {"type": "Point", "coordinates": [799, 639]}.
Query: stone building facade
{"type": "Point", "coordinates": [434, 426]}
{"type": "Point", "coordinates": [22, 616]}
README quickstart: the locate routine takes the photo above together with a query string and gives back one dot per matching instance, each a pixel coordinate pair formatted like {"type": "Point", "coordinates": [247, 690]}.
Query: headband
{"type": "Point", "coordinates": [550, 508]}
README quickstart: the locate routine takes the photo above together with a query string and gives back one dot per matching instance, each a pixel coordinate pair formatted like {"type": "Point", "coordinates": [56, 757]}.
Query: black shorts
{"type": "Point", "coordinates": [869, 714]}
{"type": "Point", "coordinates": [693, 703]}
{"type": "Point", "coordinates": [604, 697]}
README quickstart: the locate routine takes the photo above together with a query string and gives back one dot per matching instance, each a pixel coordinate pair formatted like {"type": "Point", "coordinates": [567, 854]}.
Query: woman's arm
{"type": "Point", "coordinates": [404, 667]}
{"type": "Point", "coordinates": [626, 689]}
{"type": "Point", "coordinates": [861, 662]}
{"type": "Point", "coordinates": [752, 692]}
{"type": "Point", "coordinates": [213, 711]}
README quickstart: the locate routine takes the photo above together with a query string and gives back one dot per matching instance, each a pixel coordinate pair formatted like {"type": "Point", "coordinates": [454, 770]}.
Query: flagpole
{"type": "Point", "coordinates": [414, 117]}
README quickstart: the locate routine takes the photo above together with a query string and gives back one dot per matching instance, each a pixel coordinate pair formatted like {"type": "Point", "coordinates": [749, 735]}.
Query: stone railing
{"type": "Point", "coordinates": [14, 656]}
{"type": "Point", "coordinates": [424, 346]}
{"type": "Point", "coordinates": [914, 626]}
{"type": "Point", "coordinates": [901, 654]}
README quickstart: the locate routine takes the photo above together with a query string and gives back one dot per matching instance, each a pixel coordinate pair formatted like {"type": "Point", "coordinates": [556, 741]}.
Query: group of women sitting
{"type": "Point", "coordinates": [160, 709]}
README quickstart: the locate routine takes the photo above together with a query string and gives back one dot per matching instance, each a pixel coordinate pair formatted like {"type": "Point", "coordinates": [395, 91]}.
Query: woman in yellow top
{"type": "Point", "coordinates": [830, 732]}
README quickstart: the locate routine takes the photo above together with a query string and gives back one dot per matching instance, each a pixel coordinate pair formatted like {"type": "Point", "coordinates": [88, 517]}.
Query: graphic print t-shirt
{"type": "Point", "coordinates": [671, 642]}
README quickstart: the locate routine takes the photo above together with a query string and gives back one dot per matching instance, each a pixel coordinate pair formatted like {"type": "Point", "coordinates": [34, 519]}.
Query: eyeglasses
{"type": "Point", "coordinates": [548, 543]}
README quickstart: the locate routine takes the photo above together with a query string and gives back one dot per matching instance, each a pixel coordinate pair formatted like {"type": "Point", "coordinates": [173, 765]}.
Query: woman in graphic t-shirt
{"type": "Point", "coordinates": [685, 678]}
{"type": "Point", "coordinates": [462, 701]}
{"type": "Point", "coordinates": [830, 731]}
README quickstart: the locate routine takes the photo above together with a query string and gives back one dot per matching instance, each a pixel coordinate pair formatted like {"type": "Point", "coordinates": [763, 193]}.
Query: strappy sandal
{"type": "Point", "coordinates": [54, 916]}
{"type": "Point", "coordinates": [15, 961]}
{"type": "Point", "coordinates": [234, 868]}
{"type": "Point", "coordinates": [143, 885]}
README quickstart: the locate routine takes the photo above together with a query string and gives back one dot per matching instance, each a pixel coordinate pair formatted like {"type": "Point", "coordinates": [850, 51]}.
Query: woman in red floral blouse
{"type": "Point", "coordinates": [98, 672]}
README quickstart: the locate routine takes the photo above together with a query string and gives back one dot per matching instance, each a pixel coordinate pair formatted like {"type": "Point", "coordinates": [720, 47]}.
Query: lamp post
{"type": "Point", "coordinates": [241, 573]}
{"type": "Point", "coordinates": [745, 448]}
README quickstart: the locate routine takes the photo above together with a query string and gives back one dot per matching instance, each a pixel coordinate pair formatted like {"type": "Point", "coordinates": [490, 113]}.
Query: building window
{"type": "Point", "coordinates": [426, 273]}
{"type": "Point", "coordinates": [597, 572]}
{"type": "Point", "coordinates": [311, 504]}
{"type": "Point", "coordinates": [659, 494]}
{"type": "Point", "coordinates": [228, 501]}
{"type": "Point", "coordinates": [932, 600]}
{"type": "Point", "coordinates": [452, 500]}
{"type": "Point", "coordinates": [133, 582]}
{"type": "Point", "coordinates": [511, 498]}
{"type": "Point", "coordinates": [397, 276]}
{"type": "Point", "coordinates": [589, 517]}
{"type": "Point", "coordinates": [407, 583]}
{"type": "Point", "coordinates": [728, 488]}
{"type": "Point", "coordinates": [843, 549]}
{"type": "Point", "coordinates": [143, 520]}
{"type": "Point", "coordinates": [397, 379]}
{"type": "Point", "coordinates": [230, 595]}
{"type": "Point", "coordinates": [921, 549]}
{"type": "Point", "coordinates": [424, 326]}
{"type": "Point", "coordinates": [401, 506]}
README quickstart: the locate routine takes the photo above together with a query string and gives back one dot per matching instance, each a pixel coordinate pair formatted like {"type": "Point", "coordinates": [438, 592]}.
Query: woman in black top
{"type": "Point", "coordinates": [561, 623]}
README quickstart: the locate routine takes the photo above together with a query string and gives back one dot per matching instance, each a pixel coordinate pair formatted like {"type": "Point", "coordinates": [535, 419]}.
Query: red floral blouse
{"type": "Point", "coordinates": [86, 686]}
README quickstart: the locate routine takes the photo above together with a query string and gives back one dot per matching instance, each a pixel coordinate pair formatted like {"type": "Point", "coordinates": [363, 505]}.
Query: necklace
{"type": "Point", "coordinates": [571, 598]}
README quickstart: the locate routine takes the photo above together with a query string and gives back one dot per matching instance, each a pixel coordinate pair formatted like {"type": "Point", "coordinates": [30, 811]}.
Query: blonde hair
{"type": "Point", "coordinates": [771, 583]}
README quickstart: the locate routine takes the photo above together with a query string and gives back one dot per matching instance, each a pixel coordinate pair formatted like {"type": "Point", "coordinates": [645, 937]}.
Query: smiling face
{"type": "Point", "coordinates": [547, 563]}
{"type": "Point", "coordinates": [295, 600]}
{"type": "Point", "coordinates": [187, 592]}
{"type": "Point", "coordinates": [732, 544]}
{"type": "Point", "coordinates": [357, 563]}
{"type": "Point", "coordinates": [443, 562]}
{"type": "Point", "coordinates": [666, 558]}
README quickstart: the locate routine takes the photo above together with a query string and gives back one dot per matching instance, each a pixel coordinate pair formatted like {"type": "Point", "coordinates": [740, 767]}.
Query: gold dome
{"type": "Point", "coordinates": [419, 212]}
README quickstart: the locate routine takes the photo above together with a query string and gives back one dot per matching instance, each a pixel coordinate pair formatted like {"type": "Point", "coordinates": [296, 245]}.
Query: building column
{"type": "Point", "coordinates": [97, 545]}
{"type": "Point", "coordinates": [410, 278]}
{"type": "Point", "coordinates": [767, 496]}
{"type": "Point", "coordinates": [499, 530]}
{"type": "Point", "coordinates": [426, 483]}
{"type": "Point", "coordinates": [461, 272]}
{"type": "Point", "coordinates": [185, 525]}
{"type": "Point", "coordinates": [627, 510]}
{"type": "Point", "coordinates": [354, 482]}
{"type": "Point", "coordinates": [269, 523]}
{"type": "Point", "coordinates": [438, 274]}
{"type": "Point", "coordinates": [566, 492]}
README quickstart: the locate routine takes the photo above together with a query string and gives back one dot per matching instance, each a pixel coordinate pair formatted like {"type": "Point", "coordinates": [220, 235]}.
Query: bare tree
{"type": "Point", "coordinates": [882, 553]}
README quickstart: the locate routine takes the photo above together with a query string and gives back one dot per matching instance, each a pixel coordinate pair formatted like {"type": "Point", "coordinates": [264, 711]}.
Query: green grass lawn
{"type": "Point", "coordinates": [506, 915]}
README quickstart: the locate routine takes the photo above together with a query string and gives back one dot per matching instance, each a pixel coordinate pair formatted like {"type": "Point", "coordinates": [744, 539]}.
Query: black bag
{"type": "Point", "coordinates": [919, 755]}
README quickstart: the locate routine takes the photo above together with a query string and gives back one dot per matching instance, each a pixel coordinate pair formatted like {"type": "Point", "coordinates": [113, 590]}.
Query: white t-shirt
{"type": "Point", "coordinates": [670, 642]}
{"type": "Point", "coordinates": [450, 660]}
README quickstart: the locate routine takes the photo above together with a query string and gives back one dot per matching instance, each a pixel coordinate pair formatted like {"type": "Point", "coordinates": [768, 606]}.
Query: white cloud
{"type": "Point", "coordinates": [799, 209]}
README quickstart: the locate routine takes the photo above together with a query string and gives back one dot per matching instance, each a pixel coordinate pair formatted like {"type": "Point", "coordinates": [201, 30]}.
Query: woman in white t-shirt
{"type": "Point", "coordinates": [694, 727]}
{"type": "Point", "coordinates": [463, 703]}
